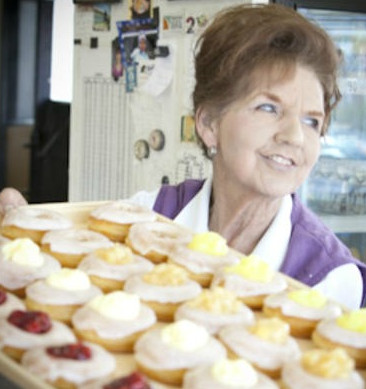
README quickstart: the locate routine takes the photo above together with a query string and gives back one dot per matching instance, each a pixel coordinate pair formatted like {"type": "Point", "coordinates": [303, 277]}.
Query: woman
{"type": "Point", "coordinates": [265, 89]}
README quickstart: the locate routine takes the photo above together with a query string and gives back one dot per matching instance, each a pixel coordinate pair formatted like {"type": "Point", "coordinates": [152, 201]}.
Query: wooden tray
{"type": "Point", "coordinates": [78, 212]}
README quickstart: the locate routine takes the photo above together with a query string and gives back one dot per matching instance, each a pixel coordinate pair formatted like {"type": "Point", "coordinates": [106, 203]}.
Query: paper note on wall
{"type": "Point", "coordinates": [161, 76]}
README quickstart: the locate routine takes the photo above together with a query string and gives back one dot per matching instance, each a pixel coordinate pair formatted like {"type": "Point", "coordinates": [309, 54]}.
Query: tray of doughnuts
{"type": "Point", "coordinates": [109, 294]}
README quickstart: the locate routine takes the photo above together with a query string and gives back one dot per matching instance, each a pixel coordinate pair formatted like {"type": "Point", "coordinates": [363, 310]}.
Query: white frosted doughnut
{"type": "Point", "coordinates": [123, 212]}
{"type": "Point", "coordinates": [75, 241]}
{"type": "Point", "coordinates": [36, 219]}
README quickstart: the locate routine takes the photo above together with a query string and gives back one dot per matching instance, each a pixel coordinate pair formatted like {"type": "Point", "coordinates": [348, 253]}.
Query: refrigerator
{"type": "Point", "coordinates": [336, 188]}
{"type": "Point", "coordinates": [132, 127]}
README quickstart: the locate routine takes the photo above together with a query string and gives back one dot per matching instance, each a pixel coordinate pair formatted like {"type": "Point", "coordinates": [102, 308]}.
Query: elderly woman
{"type": "Point", "coordinates": [265, 89]}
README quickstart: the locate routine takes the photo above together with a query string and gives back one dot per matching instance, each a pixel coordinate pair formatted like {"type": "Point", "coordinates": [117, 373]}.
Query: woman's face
{"type": "Point", "coordinates": [268, 142]}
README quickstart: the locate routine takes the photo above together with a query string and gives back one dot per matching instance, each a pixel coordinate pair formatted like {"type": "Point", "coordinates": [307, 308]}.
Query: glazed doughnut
{"type": "Point", "coordinates": [163, 289]}
{"type": "Point", "coordinates": [347, 331]}
{"type": "Point", "coordinates": [165, 354]}
{"type": "Point", "coordinates": [71, 245]}
{"type": "Point", "coordinates": [22, 330]}
{"type": "Point", "coordinates": [203, 256]}
{"type": "Point", "coordinates": [214, 309]}
{"type": "Point", "coordinates": [115, 321]}
{"type": "Point", "coordinates": [22, 263]}
{"type": "Point", "coordinates": [110, 267]}
{"type": "Point", "coordinates": [156, 240]}
{"type": "Point", "coordinates": [115, 218]}
{"type": "Point", "coordinates": [302, 309]}
{"type": "Point", "coordinates": [61, 294]}
{"type": "Point", "coordinates": [33, 223]}
{"type": "Point", "coordinates": [227, 374]}
{"type": "Point", "coordinates": [251, 279]}
{"type": "Point", "coordinates": [69, 365]}
{"type": "Point", "coordinates": [266, 344]}
{"type": "Point", "coordinates": [320, 369]}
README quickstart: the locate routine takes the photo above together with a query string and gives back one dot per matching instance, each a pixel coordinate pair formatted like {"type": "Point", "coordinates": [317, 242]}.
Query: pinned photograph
{"type": "Point", "coordinates": [140, 9]}
{"type": "Point", "coordinates": [102, 17]}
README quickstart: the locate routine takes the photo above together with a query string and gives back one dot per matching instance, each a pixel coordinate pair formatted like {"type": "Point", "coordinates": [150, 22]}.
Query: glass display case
{"type": "Point", "coordinates": [336, 188]}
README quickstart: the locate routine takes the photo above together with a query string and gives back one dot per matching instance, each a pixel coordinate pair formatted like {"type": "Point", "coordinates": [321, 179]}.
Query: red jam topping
{"type": "Point", "coordinates": [133, 381]}
{"type": "Point", "coordinates": [3, 297]}
{"type": "Point", "coordinates": [77, 351]}
{"type": "Point", "coordinates": [35, 322]}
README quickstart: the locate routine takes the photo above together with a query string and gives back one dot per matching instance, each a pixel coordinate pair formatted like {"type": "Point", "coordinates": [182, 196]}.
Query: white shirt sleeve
{"type": "Point", "coordinates": [145, 198]}
{"type": "Point", "coordinates": [343, 284]}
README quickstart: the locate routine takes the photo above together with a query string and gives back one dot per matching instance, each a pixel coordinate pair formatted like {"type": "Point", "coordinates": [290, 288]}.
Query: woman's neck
{"type": "Point", "coordinates": [241, 219]}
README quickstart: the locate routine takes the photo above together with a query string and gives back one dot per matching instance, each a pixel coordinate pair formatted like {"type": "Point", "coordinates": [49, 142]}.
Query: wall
{"type": "Point", "coordinates": [109, 125]}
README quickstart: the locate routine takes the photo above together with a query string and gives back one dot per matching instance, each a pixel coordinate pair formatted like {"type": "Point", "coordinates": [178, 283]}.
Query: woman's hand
{"type": "Point", "coordinates": [10, 198]}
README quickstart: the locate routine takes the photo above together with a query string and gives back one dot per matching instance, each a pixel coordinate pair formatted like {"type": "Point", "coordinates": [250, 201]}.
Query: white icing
{"type": "Point", "coordinates": [39, 363]}
{"type": "Point", "coordinates": [160, 293]}
{"type": "Point", "coordinates": [185, 335]}
{"type": "Point", "coordinates": [290, 307]}
{"type": "Point", "coordinates": [22, 251]}
{"type": "Point", "coordinates": [201, 377]}
{"type": "Point", "coordinates": [243, 287]}
{"type": "Point", "coordinates": [11, 303]}
{"type": "Point", "coordinates": [159, 237]}
{"type": "Point", "coordinates": [75, 241]}
{"type": "Point", "coordinates": [93, 265]}
{"type": "Point", "coordinates": [198, 262]}
{"type": "Point", "coordinates": [329, 329]}
{"type": "Point", "coordinates": [265, 354]}
{"type": "Point", "coordinates": [124, 212]}
{"type": "Point", "coordinates": [86, 318]}
{"type": "Point", "coordinates": [295, 377]}
{"type": "Point", "coordinates": [15, 276]}
{"type": "Point", "coordinates": [152, 352]}
{"type": "Point", "coordinates": [36, 219]}
{"type": "Point", "coordinates": [117, 305]}
{"type": "Point", "coordinates": [213, 322]}
{"type": "Point", "coordinates": [44, 293]}
{"type": "Point", "coordinates": [13, 336]}
{"type": "Point", "coordinates": [69, 279]}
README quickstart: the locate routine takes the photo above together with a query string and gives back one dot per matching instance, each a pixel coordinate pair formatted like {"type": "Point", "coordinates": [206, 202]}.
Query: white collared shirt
{"type": "Point", "coordinates": [273, 245]}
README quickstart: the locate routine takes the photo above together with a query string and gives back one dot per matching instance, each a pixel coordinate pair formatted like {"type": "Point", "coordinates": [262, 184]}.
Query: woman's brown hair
{"type": "Point", "coordinates": [245, 42]}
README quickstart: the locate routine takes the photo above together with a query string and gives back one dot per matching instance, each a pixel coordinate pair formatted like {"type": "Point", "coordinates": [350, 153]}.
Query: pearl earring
{"type": "Point", "coordinates": [211, 151]}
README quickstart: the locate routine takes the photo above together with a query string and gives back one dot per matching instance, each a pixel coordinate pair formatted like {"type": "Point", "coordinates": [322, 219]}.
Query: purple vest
{"type": "Point", "coordinates": [313, 249]}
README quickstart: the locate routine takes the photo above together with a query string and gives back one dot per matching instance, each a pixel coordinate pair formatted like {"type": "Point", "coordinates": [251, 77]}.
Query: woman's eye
{"type": "Point", "coordinates": [267, 107]}
{"type": "Point", "coordinates": [312, 122]}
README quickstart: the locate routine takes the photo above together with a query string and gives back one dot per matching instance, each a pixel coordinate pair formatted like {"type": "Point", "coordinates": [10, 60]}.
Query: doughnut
{"type": "Point", "coordinates": [33, 223]}
{"type": "Point", "coordinates": [115, 218]}
{"type": "Point", "coordinates": [71, 245]}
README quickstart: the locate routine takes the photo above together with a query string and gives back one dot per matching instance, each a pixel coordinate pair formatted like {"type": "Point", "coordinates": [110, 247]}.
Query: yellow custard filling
{"type": "Point", "coordinates": [332, 364]}
{"type": "Point", "coordinates": [234, 373]}
{"type": "Point", "coordinates": [354, 321]}
{"type": "Point", "coordinates": [272, 330]}
{"type": "Point", "coordinates": [118, 254]}
{"type": "Point", "coordinates": [252, 268]}
{"type": "Point", "coordinates": [217, 300]}
{"type": "Point", "coordinates": [69, 279]}
{"type": "Point", "coordinates": [209, 243]}
{"type": "Point", "coordinates": [308, 297]}
{"type": "Point", "coordinates": [117, 305]}
{"type": "Point", "coordinates": [166, 274]}
{"type": "Point", "coordinates": [185, 335]}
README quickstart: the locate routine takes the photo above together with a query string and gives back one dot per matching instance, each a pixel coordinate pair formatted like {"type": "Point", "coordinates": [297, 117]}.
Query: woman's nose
{"type": "Point", "coordinates": [290, 131]}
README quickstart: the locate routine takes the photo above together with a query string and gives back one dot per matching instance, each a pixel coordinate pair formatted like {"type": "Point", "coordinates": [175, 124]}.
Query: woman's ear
{"type": "Point", "coordinates": [205, 127]}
